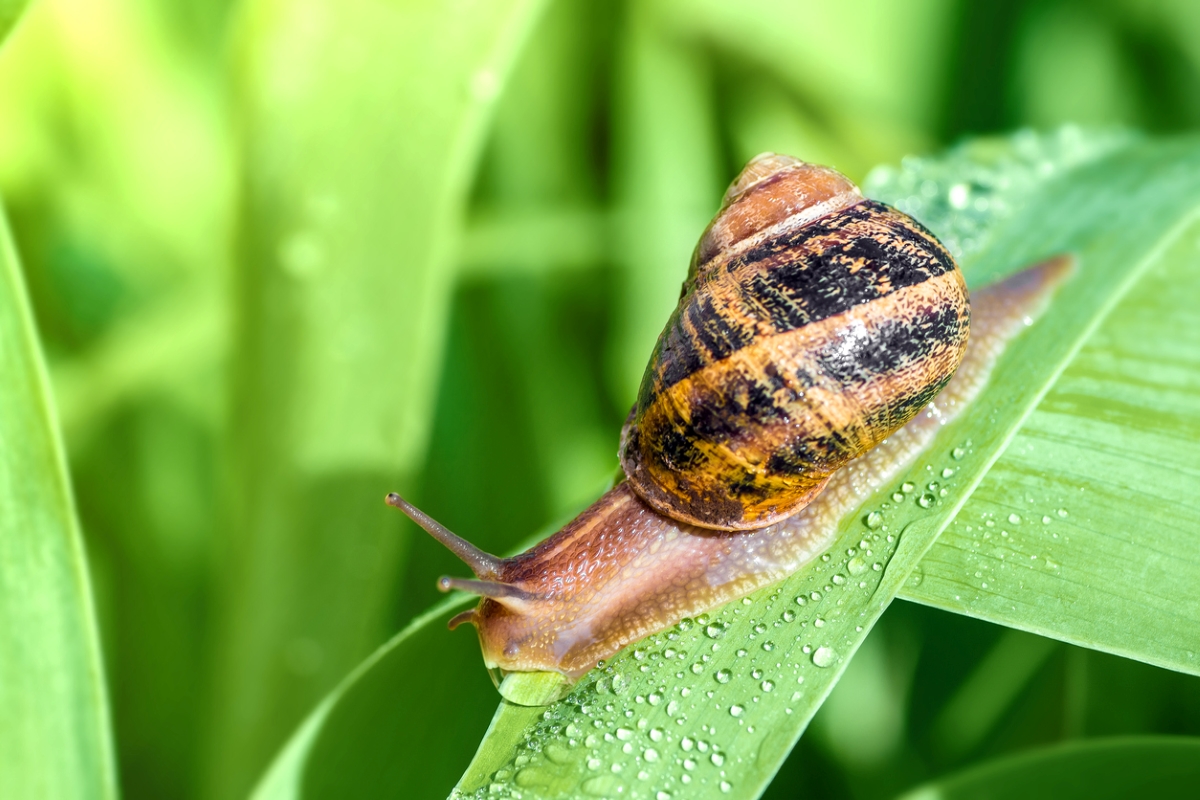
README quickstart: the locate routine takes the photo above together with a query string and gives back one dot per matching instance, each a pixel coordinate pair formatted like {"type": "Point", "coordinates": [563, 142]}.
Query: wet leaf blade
{"type": "Point", "coordinates": [785, 647]}
{"type": "Point", "coordinates": [1086, 529]}
{"type": "Point", "coordinates": [781, 664]}
{"type": "Point", "coordinates": [56, 735]}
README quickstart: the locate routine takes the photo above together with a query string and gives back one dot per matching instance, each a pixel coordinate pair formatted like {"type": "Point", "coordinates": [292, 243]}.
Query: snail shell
{"type": "Point", "coordinates": [625, 568]}
{"type": "Point", "coordinates": [813, 324]}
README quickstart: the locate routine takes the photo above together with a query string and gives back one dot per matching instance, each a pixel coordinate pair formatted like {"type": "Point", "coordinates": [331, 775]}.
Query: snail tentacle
{"type": "Point", "coordinates": [484, 565]}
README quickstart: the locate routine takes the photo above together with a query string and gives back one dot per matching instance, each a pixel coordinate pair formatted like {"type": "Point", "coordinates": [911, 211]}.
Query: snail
{"type": "Point", "coordinates": [793, 379]}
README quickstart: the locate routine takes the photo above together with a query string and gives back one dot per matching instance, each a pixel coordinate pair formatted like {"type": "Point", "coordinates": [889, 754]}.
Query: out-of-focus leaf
{"type": "Point", "coordinates": [55, 735]}
{"type": "Point", "coordinates": [1087, 529]}
{"type": "Point", "coordinates": [716, 706]}
{"type": "Point", "coordinates": [1150, 766]}
{"type": "Point", "coordinates": [354, 746]}
{"type": "Point", "coordinates": [356, 178]}
{"type": "Point", "coordinates": [841, 63]}
{"type": "Point", "coordinates": [10, 11]}
{"type": "Point", "coordinates": [667, 171]}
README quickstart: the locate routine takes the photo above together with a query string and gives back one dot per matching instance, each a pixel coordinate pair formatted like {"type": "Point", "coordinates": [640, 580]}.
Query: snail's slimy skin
{"type": "Point", "coordinates": [622, 571]}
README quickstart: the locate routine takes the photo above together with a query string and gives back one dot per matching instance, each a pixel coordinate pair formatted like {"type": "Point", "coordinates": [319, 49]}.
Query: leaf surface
{"type": "Point", "coordinates": [55, 734]}
{"type": "Point", "coordinates": [356, 179]}
{"type": "Point", "coordinates": [1149, 766]}
{"type": "Point", "coordinates": [715, 705]}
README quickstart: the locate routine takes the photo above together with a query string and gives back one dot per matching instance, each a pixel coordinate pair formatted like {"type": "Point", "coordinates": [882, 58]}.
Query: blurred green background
{"type": "Point", "coordinates": [271, 288]}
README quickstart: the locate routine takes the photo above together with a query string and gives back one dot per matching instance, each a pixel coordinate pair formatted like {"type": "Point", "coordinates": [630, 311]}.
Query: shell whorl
{"type": "Point", "coordinates": [813, 324]}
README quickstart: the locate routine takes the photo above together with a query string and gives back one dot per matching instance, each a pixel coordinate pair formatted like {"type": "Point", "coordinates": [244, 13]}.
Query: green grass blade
{"type": "Point", "coordinates": [716, 704]}
{"type": "Point", "coordinates": [55, 735]}
{"type": "Point", "coordinates": [717, 707]}
{"type": "Point", "coordinates": [1149, 766]}
{"type": "Point", "coordinates": [10, 12]}
{"type": "Point", "coordinates": [668, 177]}
{"type": "Point", "coordinates": [357, 176]}
{"type": "Point", "coordinates": [1087, 528]}
{"type": "Point", "coordinates": [414, 743]}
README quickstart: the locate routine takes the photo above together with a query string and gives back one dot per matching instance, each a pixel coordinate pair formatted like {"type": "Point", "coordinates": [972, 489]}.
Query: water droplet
{"type": "Point", "coordinates": [959, 196]}
{"type": "Point", "coordinates": [650, 755]}
{"type": "Point", "coordinates": [1015, 519]}
{"type": "Point", "coordinates": [687, 743]}
{"type": "Point", "coordinates": [736, 710]}
{"type": "Point", "coordinates": [619, 683]}
{"type": "Point", "coordinates": [726, 786]}
{"type": "Point", "coordinates": [856, 566]}
{"type": "Point", "coordinates": [788, 615]}
{"type": "Point", "coordinates": [824, 657]}
{"type": "Point", "coordinates": [654, 698]}
{"type": "Point", "coordinates": [689, 764]}
{"type": "Point", "coordinates": [768, 646]}
{"type": "Point", "coordinates": [926, 500]}
{"type": "Point", "coordinates": [656, 734]}
{"type": "Point", "coordinates": [814, 596]}
{"type": "Point", "coordinates": [760, 628]}
{"type": "Point", "coordinates": [697, 668]}
{"type": "Point", "coordinates": [624, 734]}
{"type": "Point", "coordinates": [768, 686]}
{"type": "Point", "coordinates": [662, 795]}
{"type": "Point", "coordinates": [1062, 513]}
{"type": "Point", "coordinates": [873, 520]}
{"type": "Point", "coordinates": [715, 630]}
{"type": "Point", "coordinates": [684, 624]}
{"type": "Point", "coordinates": [957, 453]}
{"type": "Point", "coordinates": [898, 496]}
{"type": "Point", "coordinates": [947, 472]}
{"type": "Point", "coordinates": [818, 623]}
{"type": "Point", "coordinates": [723, 675]}
{"type": "Point", "coordinates": [838, 579]}
{"type": "Point", "coordinates": [907, 487]}
{"type": "Point", "coordinates": [717, 759]}
{"type": "Point", "coordinates": [1045, 520]}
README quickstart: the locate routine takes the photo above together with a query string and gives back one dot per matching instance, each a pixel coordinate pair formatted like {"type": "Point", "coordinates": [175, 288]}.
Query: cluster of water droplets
{"type": "Point", "coordinates": [1009, 540]}
{"type": "Point", "coordinates": [961, 194]}
{"type": "Point", "coordinates": [700, 704]}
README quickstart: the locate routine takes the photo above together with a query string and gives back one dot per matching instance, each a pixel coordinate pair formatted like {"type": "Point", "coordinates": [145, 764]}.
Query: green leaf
{"type": "Point", "coordinates": [1086, 529]}
{"type": "Point", "coordinates": [10, 12]}
{"type": "Point", "coordinates": [55, 732]}
{"type": "Point", "coordinates": [354, 745]}
{"type": "Point", "coordinates": [702, 716]}
{"type": "Point", "coordinates": [356, 179]}
{"type": "Point", "coordinates": [1149, 766]}
{"type": "Point", "coordinates": [716, 704]}
{"type": "Point", "coordinates": [666, 169]}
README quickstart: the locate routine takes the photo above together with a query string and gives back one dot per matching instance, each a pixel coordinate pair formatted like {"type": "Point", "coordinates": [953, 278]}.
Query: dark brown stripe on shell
{"type": "Point", "coordinates": [819, 270]}
{"type": "Point", "coordinates": [776, 416]}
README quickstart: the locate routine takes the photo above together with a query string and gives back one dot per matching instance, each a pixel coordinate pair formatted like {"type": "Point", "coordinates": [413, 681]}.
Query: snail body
{"type": "Point", "coordinates": [771, 408]}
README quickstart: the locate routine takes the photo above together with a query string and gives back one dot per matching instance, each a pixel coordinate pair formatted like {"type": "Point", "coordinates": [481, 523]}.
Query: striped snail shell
{"type": "Point", "coordinates": [813, 324]}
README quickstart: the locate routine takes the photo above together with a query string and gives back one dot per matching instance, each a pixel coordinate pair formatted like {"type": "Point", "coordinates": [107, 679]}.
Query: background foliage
{"type": "Point", "coordinates": [269, 290]}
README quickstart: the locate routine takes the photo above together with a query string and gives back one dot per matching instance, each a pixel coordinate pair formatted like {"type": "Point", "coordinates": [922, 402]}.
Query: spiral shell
{"type": "Point", "coordinates": [813, 324]}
